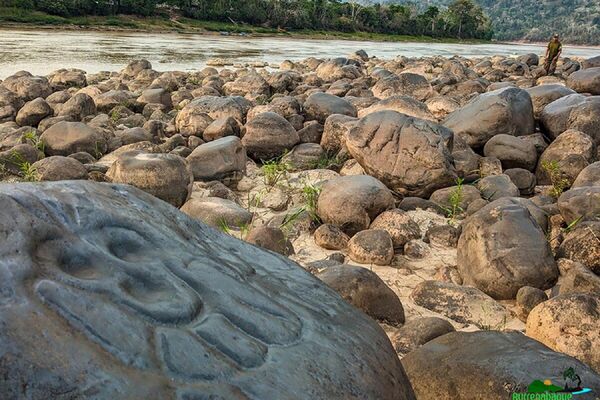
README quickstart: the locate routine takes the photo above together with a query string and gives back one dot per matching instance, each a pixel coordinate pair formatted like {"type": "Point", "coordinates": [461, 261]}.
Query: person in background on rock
{"type": "Point", "coordinates": [552, 54]}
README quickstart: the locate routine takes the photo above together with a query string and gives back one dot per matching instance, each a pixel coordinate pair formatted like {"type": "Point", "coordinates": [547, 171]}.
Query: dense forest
{"type": "Point", "coordinates": [461, 19]}
{"type": "Point", "coordinates": [578, 21]}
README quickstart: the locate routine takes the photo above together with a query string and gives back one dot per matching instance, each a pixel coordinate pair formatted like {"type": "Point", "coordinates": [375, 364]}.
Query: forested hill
{"type": "Point", "coordinates": [577, 20]}
{"type": "Point", "coordinates": [461, 19]}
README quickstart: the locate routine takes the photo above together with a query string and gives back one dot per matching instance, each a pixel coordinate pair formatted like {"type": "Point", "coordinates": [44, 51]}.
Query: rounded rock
{"type": "Point", "coordinates": [373, 246]}
{"type": "Point", "coordinates": [166, 176]}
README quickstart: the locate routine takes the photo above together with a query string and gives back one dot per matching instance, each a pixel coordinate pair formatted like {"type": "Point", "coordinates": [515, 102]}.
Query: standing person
{"type": "Point", "coordinates": [552, 54]}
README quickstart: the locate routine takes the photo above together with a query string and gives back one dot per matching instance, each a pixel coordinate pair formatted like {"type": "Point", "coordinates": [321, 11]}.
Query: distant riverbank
{"type": "Point", "coordinates": [16, 18]}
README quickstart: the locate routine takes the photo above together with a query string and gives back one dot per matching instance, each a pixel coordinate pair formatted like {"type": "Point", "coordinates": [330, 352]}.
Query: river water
{"type": "Point", "coordinates": [43, 51]}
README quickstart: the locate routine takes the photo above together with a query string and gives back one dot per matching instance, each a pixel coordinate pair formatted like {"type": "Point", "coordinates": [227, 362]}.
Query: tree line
{"type": "Point", "coordinates": [462, 19]}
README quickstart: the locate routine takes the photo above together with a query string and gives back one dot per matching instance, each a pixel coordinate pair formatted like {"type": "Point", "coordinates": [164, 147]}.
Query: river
{"type": "Point", "coordinates": [43, 51]}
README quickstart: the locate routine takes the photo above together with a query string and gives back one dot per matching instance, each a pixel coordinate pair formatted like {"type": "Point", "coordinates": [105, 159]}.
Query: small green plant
{"type": "Point", "coordinates": [27, 170]}
{"type": "Point", "coordinates": [558, 182]}
{"type": "Point", "coordinates": [290, 219]}
{"type": "Point", "coordinates": [224, 226]}
{"type": "Point", "coordinates": [238, 232]}
{"type": "Point", "coordinates": [573, 224]}
{"type": "Point", "coordinates": [311, 194]}
{"type": "Point", "coordinates": [329, 161]}
{"type": "Point", "coordinates": [254, 200]}
{"type": "Point", "coordinates": [274, 171]}
{"type": "Point", "coordinates": [115, 115]}
{"type": "Point", "coordinates": [32, 138]}
{"type": "Point", "coordinates": [455, 199]}
{"type": "Point", "coordinates": [97, 153]}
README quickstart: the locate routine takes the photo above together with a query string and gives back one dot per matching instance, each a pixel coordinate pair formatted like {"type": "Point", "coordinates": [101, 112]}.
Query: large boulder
{"type": "Point", "coordinates": [399, 225]}
{"type": "Point", "coordinates": [459, 197]}
{"type": "Point", "coordinates": [589, 176]}
{"type": "Point", "coordinates": [67, 78]}
{"type": "Point", "coordinates": [192, 120]}
{"type": "Point", "coordinates": [543, 95]}
{"type": "Point", "coordinates": [494, 187]}
{"type": "Point", "coordinates": [335, 131]}
{"type": "Point", "coordinates": [58, 168]}
{"type": "Point", "coordinates": [371, 246]}
{"type": "Point", "coordinates": [28, 87]}
{"type": "Point", "coordinates": [462, 304]}
{"type": "Point", "coordinates": [570, 324]}
{"type": "Point", "coordinates": [592, 62]}
{"type": "Point", "coordinates": [166, 176]}
{"type": "Point", "coordinates": [574, 111]}
{"type": "Point", "coordinates": [65, 138]}
{"type": "Point", "coordinates": [402, 104]}
{"type": "Point", "coordinates": [217, 212]}
{"type": "Point", "coordinates": [502, 248]}
{"type": "Point", "coordinates": [221, 107]}
{"type": "Point", "coordinates": [78, 107]}
{"type": "Point", "coordinates": [352, 202]}
{"type": "Point", "coordinates": [416, 332]}
{"type": "Point", "coordinates": [221, 159]}
{"type": "Point", "coordinates": [582, 244]}
{"type": "Point", "coordinates": [319, 106]}
{"type": "Point", "coordinates": [108, 100]}
{"type": "Point", "coordinates": [109, 292]}
{"type": "Point", "coordinates": [156, 96]}
{"type": "Point", "coordinates": [508, 111]}
{"type": "Point", "coordinates": [512, 151]}
{"type": "Point", "coordinates": [33, 112]}
{"type": "Point", "coordinates": [366, 291]}
{"type": "Point", "coordinates": [404, 84]}
{"type": "Point", "coordinates": [580, 204]}
{"type": "Point", "coordinates": [585, 81]}
{"type": "Point", "coordinates": [337, 68]}
{"type": "Point", "coordinates": [571, 152]}
{"type": "Point", "coordinates": [269, 135]}
{"type": "Point", "coordinates": [249, 84]}
{"type": "Point", "coordinates": [490, 365]}
{"type": "Point", "coordinates": [411, 156]}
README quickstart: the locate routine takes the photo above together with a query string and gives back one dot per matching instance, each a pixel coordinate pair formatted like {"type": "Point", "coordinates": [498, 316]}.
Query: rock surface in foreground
{"type": "Point", "coordinates": [109, 292]}
{"type": "Point", "coordinates": [488, 365]}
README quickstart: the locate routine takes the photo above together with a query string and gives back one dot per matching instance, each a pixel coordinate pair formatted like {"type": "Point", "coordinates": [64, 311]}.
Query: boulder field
{"type": "Point", "coordinates": [348, 228]}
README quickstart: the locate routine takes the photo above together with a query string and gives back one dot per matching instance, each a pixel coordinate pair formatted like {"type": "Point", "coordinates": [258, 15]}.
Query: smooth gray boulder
{"type": "Point", "coordinates": [503, 248]}
{"type": "Point", "coordinates": [585, 81]}
{"type": "Point", "coordinates": [166, 176]}
{"type": "Point", "coordinates": [464, 304]}
{"type": "Point", "coordinates": [569, 153]}
{"type": "Point", "coordinates": [589, 176]}
{"type": "Point", "coordinates": [366, 291]}
{"type": "Point", "coordinates": [512, 151]}
{"type": "Point", "coordinates": [543, 95]}
{"type": "Point", "coordinates": [66, 138]}
{"type": "Point", "coordinates": [269, 135]}
{"type": "Point", "coordinates": [404, 84]}
{"type": "Point", "coordinates": [580, 204]}
{"type": "Point", "coordinates": [353, 202]}
{"type": "Point", "coordinates": [508, 111]}
{"type": "Point", "coordinates": [33, 112]}
{"type": "Point", "coordinates": [574, 111]}
{"type": "Point", "coordinates": [221, 159]}
{"type": "Point", "coordinates": [319, 106]}
{"type": "Point", "coordinates": [410, 155]}
{"type": "Point", "coordinates": [489, 365]}
{"type": "Point", "coordinates": [108, 292]}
